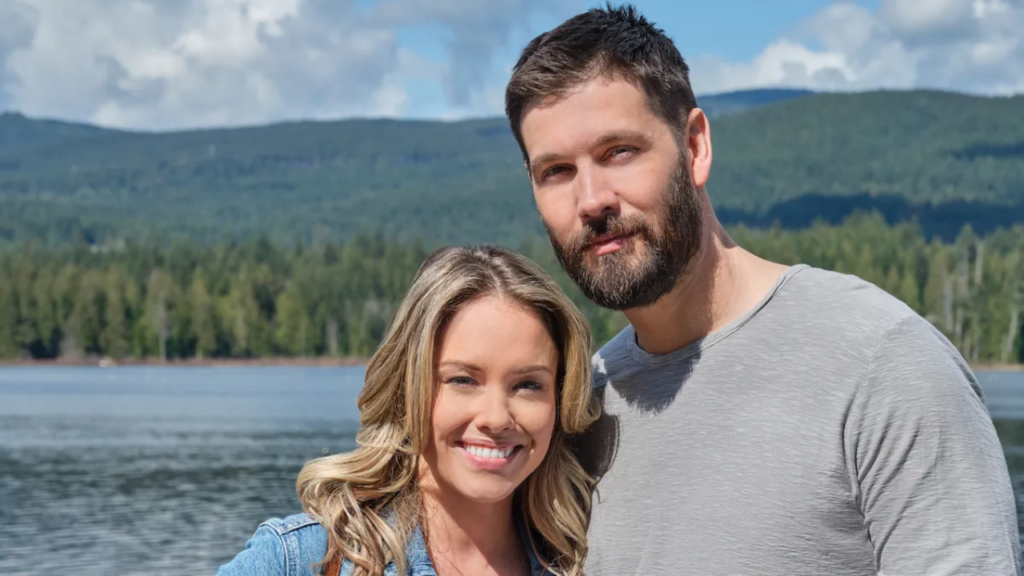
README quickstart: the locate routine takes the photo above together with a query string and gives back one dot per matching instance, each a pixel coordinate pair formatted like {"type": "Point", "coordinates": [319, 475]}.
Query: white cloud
{"type": "Point", "coordinates": [158, 64]}
{"type": "Point", "coordinates": [963, 45]}
{"type": "Point", "coordinates": [926, 17]}
{"type": "Point", "coordinates": [171, 63]}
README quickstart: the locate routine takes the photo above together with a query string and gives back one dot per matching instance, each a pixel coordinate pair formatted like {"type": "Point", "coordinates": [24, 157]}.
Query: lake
{"type": "Point", "coordinates": [167, 471]}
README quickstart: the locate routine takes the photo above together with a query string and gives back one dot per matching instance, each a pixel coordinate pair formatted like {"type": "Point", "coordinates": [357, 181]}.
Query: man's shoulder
{"type": "Point", "coordinates": [843, 294]}
{"type": "Point", "coordinates": [838, 306]}
{"type": "Point", "coordinates": [811, 305]}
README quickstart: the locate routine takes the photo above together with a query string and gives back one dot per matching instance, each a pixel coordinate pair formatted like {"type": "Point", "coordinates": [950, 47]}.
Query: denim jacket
{"type": "Point", "coordinates": [294, 545]}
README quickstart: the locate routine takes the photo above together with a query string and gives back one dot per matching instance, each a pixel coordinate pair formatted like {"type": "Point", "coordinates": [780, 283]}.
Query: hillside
{"type": "Point", "coordinates": [922, 147]}
{"type": "Point", "coordinates": [17, 131]}
{"type": "Point", "coordinates": [715, 105]}
{"type": "Point", "coordinates": [943, 158]}
{"type": "Point", "coordinates": [324, 179]}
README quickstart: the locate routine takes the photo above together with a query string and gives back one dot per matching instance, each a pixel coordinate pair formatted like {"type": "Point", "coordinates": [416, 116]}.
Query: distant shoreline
{"type": "Point", "coordinates": [997, 367]}
{"type": "Point", "coordinates": [188, 362]}
{"type": "Point", "coordinates": [286, 361]}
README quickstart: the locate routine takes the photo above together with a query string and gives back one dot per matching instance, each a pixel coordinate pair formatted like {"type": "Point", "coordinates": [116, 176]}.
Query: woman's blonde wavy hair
{"type": "Point", "coordinates": [368, 499]}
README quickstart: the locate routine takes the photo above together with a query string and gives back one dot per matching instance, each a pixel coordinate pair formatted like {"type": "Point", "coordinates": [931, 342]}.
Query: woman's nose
{"type": "Point", "coordinates": [494, 412]}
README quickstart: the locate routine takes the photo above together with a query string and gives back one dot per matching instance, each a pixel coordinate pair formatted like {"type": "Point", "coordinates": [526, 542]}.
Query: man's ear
{"type": "Point", "coordinates": [698, 144]}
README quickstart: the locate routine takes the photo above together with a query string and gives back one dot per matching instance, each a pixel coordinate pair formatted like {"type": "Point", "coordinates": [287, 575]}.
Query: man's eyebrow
{"type": "Point", "coordinates": [621, 135]}
{"type": "Point", "coordinates": [541, 160]}
{"type": "Point", "coordinates": [603, 140]}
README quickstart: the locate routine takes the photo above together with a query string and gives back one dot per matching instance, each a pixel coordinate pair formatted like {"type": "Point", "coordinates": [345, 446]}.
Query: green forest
{"type": "Point", "coordinates": [260, 299]}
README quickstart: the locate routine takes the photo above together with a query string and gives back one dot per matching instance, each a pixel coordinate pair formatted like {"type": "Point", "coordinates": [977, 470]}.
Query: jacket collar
{"type": "Point", "coordinates": [419, 564]}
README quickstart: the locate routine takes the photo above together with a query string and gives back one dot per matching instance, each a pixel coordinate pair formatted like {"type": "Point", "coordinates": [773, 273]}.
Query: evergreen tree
{"type": "Point", "coordinates": [9, 347]}
{"type": "Point", "coordinates": [114, 340]}
{"type": "Point", "coordinates": [203, 329]}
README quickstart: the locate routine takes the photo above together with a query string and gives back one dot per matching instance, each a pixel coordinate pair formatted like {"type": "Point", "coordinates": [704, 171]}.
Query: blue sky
{"type": "Point", "coordinates": [170, 64]}
{"type": "Point", "coordinates": [732, 30]}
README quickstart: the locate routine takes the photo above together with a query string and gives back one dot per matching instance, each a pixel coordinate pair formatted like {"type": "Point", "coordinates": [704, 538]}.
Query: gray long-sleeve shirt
{"type": "Point", "coordinates": [831, 430]}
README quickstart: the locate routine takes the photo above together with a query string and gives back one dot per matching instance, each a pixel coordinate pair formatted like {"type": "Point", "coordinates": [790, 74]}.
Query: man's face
{"type": "Point", "coordinates": [613, 189]}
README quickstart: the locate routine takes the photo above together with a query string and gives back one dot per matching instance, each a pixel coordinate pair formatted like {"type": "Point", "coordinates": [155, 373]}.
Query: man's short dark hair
{"type": "Point", "coordinates": [608, 41]}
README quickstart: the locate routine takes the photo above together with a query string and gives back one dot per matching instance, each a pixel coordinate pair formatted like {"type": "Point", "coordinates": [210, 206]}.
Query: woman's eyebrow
{"type": "Point", "coordinates": [535, 368]}
{"type": "Point", "coordinates": [459, 364]}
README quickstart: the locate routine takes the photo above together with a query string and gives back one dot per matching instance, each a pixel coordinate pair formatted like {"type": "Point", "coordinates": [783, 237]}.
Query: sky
{"type": "Point", "coordinates": [179, 64]}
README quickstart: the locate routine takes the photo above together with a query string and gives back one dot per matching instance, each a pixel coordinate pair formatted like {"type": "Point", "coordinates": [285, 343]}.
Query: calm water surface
{"type": "Point", "coordinates": [166, 471]}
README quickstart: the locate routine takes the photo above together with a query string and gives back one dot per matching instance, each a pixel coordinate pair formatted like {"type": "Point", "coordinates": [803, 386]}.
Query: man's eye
{"type": "Point", "coordinates": [552, 172]}
{"type": "Point", "coordinates": [620, 150]}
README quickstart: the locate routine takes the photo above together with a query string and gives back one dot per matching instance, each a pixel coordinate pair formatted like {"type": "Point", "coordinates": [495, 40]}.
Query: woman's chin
{"type": "Point", "coordinates": [486, 492]}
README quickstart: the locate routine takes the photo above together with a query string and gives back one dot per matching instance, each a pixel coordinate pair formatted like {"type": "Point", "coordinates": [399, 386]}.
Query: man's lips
{"type": "Point", "coordinates": [608, 243]}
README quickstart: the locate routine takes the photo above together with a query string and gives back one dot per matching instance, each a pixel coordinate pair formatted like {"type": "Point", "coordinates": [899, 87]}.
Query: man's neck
{"type": "Point", "coordinates": [469, 534]}
{"type": "Point", "coordinates": [721, 284]}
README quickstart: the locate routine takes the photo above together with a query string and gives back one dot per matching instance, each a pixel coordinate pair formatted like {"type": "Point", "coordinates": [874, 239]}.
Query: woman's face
{"type": "Point", "coordinates": [494, 409]}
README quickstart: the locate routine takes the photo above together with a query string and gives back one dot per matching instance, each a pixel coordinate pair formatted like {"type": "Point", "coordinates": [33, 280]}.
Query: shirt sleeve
{"type": "Point", "coordinates": [264, 555]}
{"type": "Point", "coordinates": [929, 472]}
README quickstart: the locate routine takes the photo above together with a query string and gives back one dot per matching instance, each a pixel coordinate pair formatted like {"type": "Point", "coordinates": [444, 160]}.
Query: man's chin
{"type": "Point", "coordinates": [624, 284]}
{"type": "Point", "coordinates": [621, 262]}
{"type": "Point", "coordinates": [608, 291]}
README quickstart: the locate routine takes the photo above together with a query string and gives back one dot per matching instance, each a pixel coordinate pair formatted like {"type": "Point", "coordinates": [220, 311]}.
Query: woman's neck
{"type": "Point", "coordinates": [474, 537]}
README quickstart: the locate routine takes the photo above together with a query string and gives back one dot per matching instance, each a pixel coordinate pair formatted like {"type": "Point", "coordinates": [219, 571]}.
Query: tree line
{"type": "Point", "coordinates": [260, 299]}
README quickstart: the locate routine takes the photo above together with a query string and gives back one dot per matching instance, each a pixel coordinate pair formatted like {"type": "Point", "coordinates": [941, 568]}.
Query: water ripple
{"type": "Point", "coordinates": [168, 472]}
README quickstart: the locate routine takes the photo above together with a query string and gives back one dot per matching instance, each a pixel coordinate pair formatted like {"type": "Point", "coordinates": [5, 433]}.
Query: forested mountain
{"type": "Point", "coordinates": [715, 105]}
{"type": "Point", "coordinates": [945, 159]}
{"type": "Point", "coordinates": [299, 238]}
{"type": "Point", "coordinates": [19, 132]}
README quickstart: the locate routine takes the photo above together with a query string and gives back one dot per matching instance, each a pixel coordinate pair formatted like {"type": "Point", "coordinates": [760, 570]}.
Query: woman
{"type": "Point", "coordinates": [464, 465]}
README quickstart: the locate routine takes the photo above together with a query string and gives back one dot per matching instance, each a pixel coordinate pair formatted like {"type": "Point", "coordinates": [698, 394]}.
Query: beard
{"type": "Point", "coordinates": [650, 263]}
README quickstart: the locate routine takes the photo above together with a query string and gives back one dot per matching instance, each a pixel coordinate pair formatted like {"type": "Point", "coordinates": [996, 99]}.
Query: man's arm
{"type": "Point", "coordinates": [932, 479]}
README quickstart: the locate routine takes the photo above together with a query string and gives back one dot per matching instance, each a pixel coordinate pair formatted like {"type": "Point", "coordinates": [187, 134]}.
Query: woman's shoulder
{"type": "Point", "coordinates": [289, 546]}
{"type": "Point", "coordinates": [302, 525]}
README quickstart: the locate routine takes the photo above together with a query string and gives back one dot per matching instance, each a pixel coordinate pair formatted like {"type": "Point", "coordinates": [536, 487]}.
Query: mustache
{"type": "Point", "coordinates": [613, 224]}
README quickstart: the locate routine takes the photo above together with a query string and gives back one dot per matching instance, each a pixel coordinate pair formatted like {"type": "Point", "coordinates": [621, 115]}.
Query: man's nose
{"type": "Point", "coordinates": [595, 197]}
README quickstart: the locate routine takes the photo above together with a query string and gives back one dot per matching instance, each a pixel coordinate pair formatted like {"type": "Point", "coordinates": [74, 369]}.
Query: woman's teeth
{"type": "Point", "coordinates": [481, 452]}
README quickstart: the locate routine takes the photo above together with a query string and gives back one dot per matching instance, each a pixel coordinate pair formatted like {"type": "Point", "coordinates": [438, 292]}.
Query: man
{"type": "Point", "coordinates": [758, 418]}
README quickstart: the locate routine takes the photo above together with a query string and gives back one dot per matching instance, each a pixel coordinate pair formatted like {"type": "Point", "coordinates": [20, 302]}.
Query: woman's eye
{"type": "Point", "coordinates": [460, 381]}
{"type": "Point", "coordinates": [530, 385]}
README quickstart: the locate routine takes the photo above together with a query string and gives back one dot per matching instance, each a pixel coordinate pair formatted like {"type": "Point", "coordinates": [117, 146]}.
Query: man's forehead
{"type": "Point", "coordinates": [556, 131]}
{"type": "Point", "coordinates": [591, 91]}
